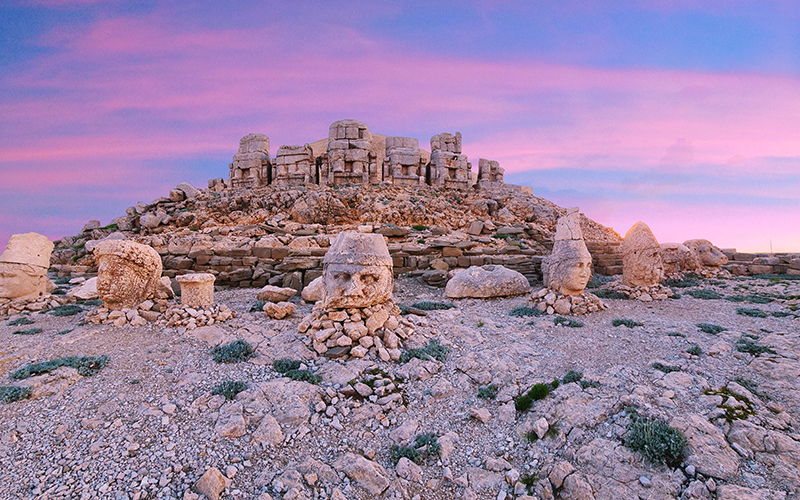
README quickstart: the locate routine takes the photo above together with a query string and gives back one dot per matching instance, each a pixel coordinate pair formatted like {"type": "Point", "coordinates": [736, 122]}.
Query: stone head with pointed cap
{"type": "Point", "coordinates": [568, 268]}
{"type": "Point", "coordinates": [642, 264]}
{"type": "Point", "coordinates": [23, 267]}
{"type": "Point", "coordinates": [357, 271]}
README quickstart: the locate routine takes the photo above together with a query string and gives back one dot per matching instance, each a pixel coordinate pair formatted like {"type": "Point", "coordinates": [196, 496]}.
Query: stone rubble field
{"type": "Point", "coordinates": [147, 425]}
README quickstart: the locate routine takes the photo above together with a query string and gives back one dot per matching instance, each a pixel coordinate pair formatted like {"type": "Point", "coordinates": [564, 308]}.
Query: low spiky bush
{"type": "Point", "coordinates": [572, 376]}
{"type": "Point", "coordinates": [657, 441]}
{"type": "Point", "coordinates": [234, 352]}
{"type": "Point", "coordinates": [20, 322]}
{"type": "Point", "coordinates": [695, 350]}
{"type": "Point", "coordinates": [488, 392]}
{"type": "Point", "coordinates": [688, 281]}
{"type": "Point", "coordinates": [704, 294]}
{"type": "Point", "coordinates": [536, 393]}
{"type": "Point", "coordinates": [666, 368]}
{"type": "Point", "coordinates": [626, 322]}
{"type": "Point", "coordinates": [520, 312]}
{"type": "Point", "coordinates": [571, 323]}
{"type": "Point", "coordinates": [284, 365]}
{"type": "Point", "coordinates": [434, 350]}
{"type": "Point", "coordinates": [747, 345]}
{"type": "Point", "coordinates": [304, 376]}
{"type": "Point", "coordinates": [29, 331]}
{"type": "Point", "coordinates": [65, 310]}
{"type": "Point", "coordinates": [427, 305]}
{"type": "Point", "coordinates": [10, 393]}
{"type": "Point", "coordinates": [711, 328]}
{"type": "Point", "coordinates": [751, 312]}
{"type": "Point", "coordinates": [611, 294]}
{"type": "Point", "coordinates": [752, 298]}
{"type": "Point", "coordinates": [419, 227]}
{"type": "Point", "coordinates": [86, 366]}
{"type": "Point", "coordinates": [229, 389]}
{"type": "Point", "coordinates": [409, 452]}
{"type": "Point", "coordinates": [258, 306]}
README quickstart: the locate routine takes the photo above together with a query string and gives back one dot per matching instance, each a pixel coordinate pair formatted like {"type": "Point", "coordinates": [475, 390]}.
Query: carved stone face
{"type": "Point", "coordinates": [121, 283]}
{"type": "Point", "coordinates": [22, 281]}
{"type": "Point", "coordinates": [643, 268]}
{"type": "Point", "coordinates": [576, 276]}
{"type": "Point", "coordinates": [350, 285]}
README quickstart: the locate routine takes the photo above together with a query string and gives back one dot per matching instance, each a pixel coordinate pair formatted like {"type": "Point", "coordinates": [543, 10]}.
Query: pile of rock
{"type": "Point", "coordinates": [355, 332]}
{"type": "Point", "coordinates": [276, 303]}
{"type": "Point", "coordinates": [552, 302]}
{"type": "Point", "coordinates": [146, 312]}
{"type": "Point", "coordinates": [10, 307]}
{"type": "Point", "coordinates": [643, 293]}
{"type": "Point", "coordinates": [192, 317]}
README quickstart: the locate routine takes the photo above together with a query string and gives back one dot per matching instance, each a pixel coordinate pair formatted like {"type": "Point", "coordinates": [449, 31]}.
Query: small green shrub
{"type": "Point", "coordinates": [258, 306]}
{"type": "Point", "coordinates": [523, 311]}
{"type": "Point", "coordinates": [433, 306]}
{"type": "Point", "coordinates": [433, 350]}
{"type": "Point", "coordinates": [666, 368]}
{"type": "Point", "coordinates": [554, 384]}
{"type": "Point", "coordinates": [89, 303]}
{"type": "Point", "coordinates": [704, 294]}
{"type": "Point", "coordinates": [711, 328]}
{"type": "Point", "coordinates": [571, 323]}
{"type": "Point", "coordinates": [675, 295]}
{"type": "Point", "coordinates": [64, 332]}
{"type": "Point", "coordinates": [86, 366]}
{"type": "Point", "coordinates": [675, 334]}
{"type": "Point", "coordinates": [611, 294]}
{"type": "Point", "coordinates": [500, 236]}
{"type": "Point", "coordinates": [781, 314]}
{"type": "Point", "coordinates": [752, 298]}
{"type": "Point", "coordinates": [419, 227]}
{"type": "Point", "coordinates": [695, 350]}
{"type": "Point", "coordinates": [531, 436]}
{"type": "Point", "coordinates": [749, 346]}
{"type": "Point", "coordinates": [481, 324]}
{"type": "Point", "coordinates": [572, 376]}
{"type": "Point", "coordinates": [62, 280]}
{"type": "Point", "coordinates": [20, 322]}
{"type": "Point", "coordinates": [234, 352]}
{"type": "Point", "coordinates": [529, 481]}
{"type": "Point", "coordinates": [65, 310]}
{"type": "Point", "coordinates": [588, 384]}
{"type": "Point", "coordinates": [409, 452]}
{"type": "Point", "coordinates": [657, 441]}
{"type": "Point", "coordinates": [304, 376]}
{"type": "Point", "coordinates": [751, 312]}
{"type": "Point", "coordinates": [283, 365]}
{"type": "Point", "coordinates": [598, 280]}
{"type": "Point", "coordinates": [60, 291]}
{"type": "Point", "coordinates": [688, 281]}
{"type": "Point", "coordinates": [626, 322]}
{"type": "Point", "coordinates": [10, 393]}
{"type": "Point", "coordinates": [229, 389]}
{"type": "Point", "coordinates": [30, 331]}
{"type": "Point", "coordinates": [488, 392]}
{"type": "Point", "coordinates": [536, 393]}
{"type": "Point", "coordinates": [430, 442]}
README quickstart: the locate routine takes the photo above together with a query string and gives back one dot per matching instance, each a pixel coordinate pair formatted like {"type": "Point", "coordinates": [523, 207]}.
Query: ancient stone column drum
{"type": "Point", "coordinates": [197, 290]}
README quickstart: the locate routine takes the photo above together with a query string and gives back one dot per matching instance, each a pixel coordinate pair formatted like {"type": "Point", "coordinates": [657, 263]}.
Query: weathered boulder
{"type": "Point", "coordinates": [486, 281]}
{"type": "Point", "coordinates": [85, 291]}
{"type": "Point", "coordinates": [272, 293]}
{"type": "Point", "coordinates": [314, 291]}
{"type": "Point", "coordinates": [677, 257]}
{"type": "Point", "coordinates": [23, 267]}
{"type": "Point", "coordinates": [278, 310]}
{"type": "Point", "coordinates": [128, 273]}
{"type": "Point", "coordinates": [197, 290]}
{"type": "Point", "coordinates": [641, 257]}
{"type": "Point", "coordinates": [368, 474]}
{"type": "Point", "coordinates": [211, 484]}
{"type": "Point", "coordinates": [707, 449]}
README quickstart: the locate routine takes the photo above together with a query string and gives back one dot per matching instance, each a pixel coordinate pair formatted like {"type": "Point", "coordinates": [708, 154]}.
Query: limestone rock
{"type": "Point", "coordinates": [231, 423]}
{"type": "Point", "coordinates": [212, 483]}
{"type": "Point", "coordinates": [268, 431]}
{"type": "Point", "coordinates": [734, 492]}
{"type": "Point", "coordinates": [279, 310]}
{"type": "Point", "coordinates": [272, 293]}
{"type": "Point", "coordinates": [197, 290]}
{"type": "Point", "coordinates": [23, 267]}
{"type": "Point", "coordinates": [641, 257]}
{"type": "Point", "coordinates": [568, 268]}
{"type": "Point", "coordinates": [677, 257]}
{"type": "Point", "coordinates": [85, 291]}
{"type": "Point", "coordinates": [128, 273]}
{"type": "Point", "coordinates": [486, 281]}
{"type": "Point", "coordinates": [368, 474]}
{"type": "Point", "coordinates": [189, 190]}
{"type": "Point", "coordinates": [707, 450]}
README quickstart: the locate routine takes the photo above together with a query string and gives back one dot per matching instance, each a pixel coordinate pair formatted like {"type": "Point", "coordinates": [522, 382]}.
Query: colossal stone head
{"type": "Point", "coordinates": [127, 273]}
{"type": "Point", "coordinates": [678, 258]}
{"type": "Point", "coordinates": [23, 267]}
{"type": "Point", "coordinates": [707, 253]}
{"type": "Point", "coordinates": [357, 271]}
{"type": "Point", "coordinates": [568, 268]}
{"type": "Point", "coordinates": [641, 257]}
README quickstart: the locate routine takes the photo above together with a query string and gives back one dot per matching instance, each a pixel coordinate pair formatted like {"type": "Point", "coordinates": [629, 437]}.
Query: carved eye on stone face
{"type": "Point", "coordinates": [369, 279]}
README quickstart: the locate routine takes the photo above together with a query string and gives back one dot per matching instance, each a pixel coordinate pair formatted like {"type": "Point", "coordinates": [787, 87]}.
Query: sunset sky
{"type": "Point", "coordinates": [682, 114]}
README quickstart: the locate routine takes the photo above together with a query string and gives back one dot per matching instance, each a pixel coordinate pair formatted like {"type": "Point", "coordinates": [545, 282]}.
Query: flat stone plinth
{"type": "Point", "coordinates": [197, 290]}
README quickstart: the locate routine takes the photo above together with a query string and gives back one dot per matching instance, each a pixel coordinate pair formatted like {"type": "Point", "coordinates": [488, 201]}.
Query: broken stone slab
{"type": "Point", "coordinates": [486, 281]}
{"type": "Point", "coordinates": [272, 293]}
{"type": "Point", "coordinates": [197, 290]}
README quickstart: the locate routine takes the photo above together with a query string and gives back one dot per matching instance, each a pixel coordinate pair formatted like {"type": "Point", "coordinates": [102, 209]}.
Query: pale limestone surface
{"type": "Point", "coordinates": [197, 290]}
{"type": "Point", "coordinates": [490, 174]}
{"type": "Point", "coordinates": [23, 267]}
{"type": "Point", "coordinates": [357, 271]}
{"type": "Point", "coordinates": [568, 268]}
{"type": "Point", "coordinates": [641, 257]}
{"type": "Point", "coordinates": [127, 273]}
{"type": "Point", "coordinates": [486, 281]}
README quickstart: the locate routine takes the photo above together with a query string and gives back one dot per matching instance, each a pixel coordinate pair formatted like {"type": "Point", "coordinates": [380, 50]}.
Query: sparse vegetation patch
{"type": "Point", "coordinates": [751, 312]}
{"type": "Point", "coordinates": [523, 311]}
{"type": "Point", "coordinates": [704, 294]}
{"type": "Point", "coordinates": [711, 328]}
{"type": "Point", "coordinates": [20, 321]}
{"type": "Point", "coordinates": [229, 389]}
{"type": "Point", "coordinates": [488, 392]}
{"type": "Point", "coordinates": [29, 331]}
{"type": "Point", "coordinates": [666, 368]}
{"type": "Point", "coordinates": [433, 306]}
{"type": "Point", "coordinates": [86, 366]}
{"type": "Point", "coordinates": [433, 350]}
{"type": "Point", "coordinates": [304, 376]}
{"type": "Point", "coordinates": [749, 346]}
{"type": "Point", "coordinates": [657, 441]}
{"type": "Point", "coordinates": [626, 322]}
{"type": "Point", "coordinates": [234, 352]}
{"type": "Point", "coordinates": [571, 323]}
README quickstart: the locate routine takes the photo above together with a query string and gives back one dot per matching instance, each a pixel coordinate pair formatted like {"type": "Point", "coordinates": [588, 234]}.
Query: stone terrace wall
{"type": "Point", "coordinates": [742, 264]}
{"type": "Point", "coordinates": [606, 257]}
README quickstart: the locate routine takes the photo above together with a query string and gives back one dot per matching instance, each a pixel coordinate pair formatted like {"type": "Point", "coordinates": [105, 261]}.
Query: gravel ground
{"type": "Point", "coordinates": [147, 425]}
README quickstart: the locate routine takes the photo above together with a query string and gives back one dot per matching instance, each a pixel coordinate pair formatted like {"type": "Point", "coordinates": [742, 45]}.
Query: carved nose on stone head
{"type": "Point", "coordinates": [353, 287]}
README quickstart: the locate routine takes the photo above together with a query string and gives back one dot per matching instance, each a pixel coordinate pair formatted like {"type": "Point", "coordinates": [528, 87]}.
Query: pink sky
{"type": "Point", "coordinates": [130, 103]}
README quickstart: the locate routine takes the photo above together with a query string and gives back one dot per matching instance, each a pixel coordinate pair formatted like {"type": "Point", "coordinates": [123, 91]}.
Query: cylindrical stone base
{"type": "Point", "coordinates": [197, 290]}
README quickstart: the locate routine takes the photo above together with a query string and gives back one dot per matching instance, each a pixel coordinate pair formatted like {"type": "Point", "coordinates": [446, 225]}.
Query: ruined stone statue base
{"type": "Point", "coordinates": [193, 317]}
{"type": "Point", "coordinates": [377, 330]}
{"type": "Point", "coordinates": [643, 293]}
{"type": "Point", "coordinates": [552, 302]}
{"type": "Point", "coordinates": [10, 307]}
